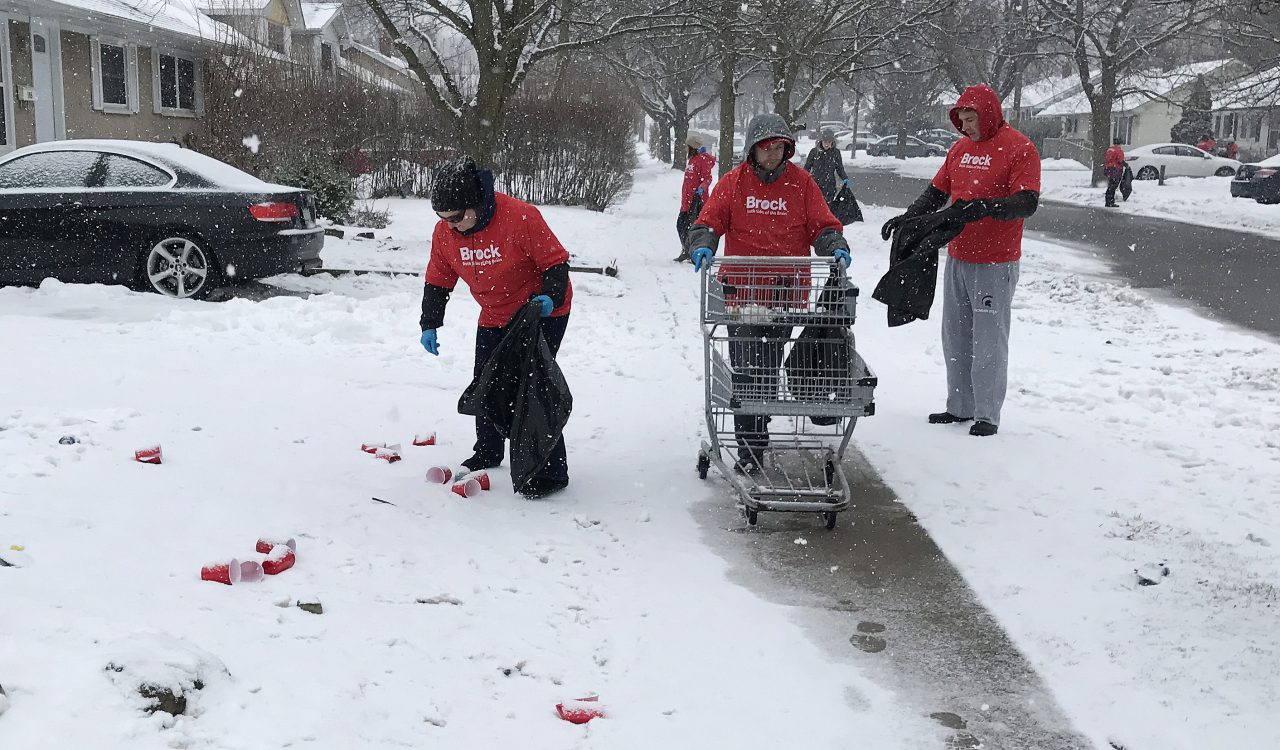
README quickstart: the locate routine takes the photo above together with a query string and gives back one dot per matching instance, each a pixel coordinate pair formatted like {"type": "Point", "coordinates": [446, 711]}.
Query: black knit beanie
{"type": "Point", "coordinates": [457, 186]}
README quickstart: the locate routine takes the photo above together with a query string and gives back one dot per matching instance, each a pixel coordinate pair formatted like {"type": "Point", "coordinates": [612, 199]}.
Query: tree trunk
{"type": "Point", "coordinates": [728, 94]}
{"type": "Point", "coordinates": [663, 142]}
{"type": "Point", "coordinates": [680, 123]}
{"type": "Point", "coordinates": [782, 99]}
{"type": "Point", "coordinates": [1100, 131]}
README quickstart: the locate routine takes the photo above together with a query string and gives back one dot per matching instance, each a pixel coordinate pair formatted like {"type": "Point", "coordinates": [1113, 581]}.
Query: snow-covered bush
{"type": "Point", "coordinates": [329, 182]}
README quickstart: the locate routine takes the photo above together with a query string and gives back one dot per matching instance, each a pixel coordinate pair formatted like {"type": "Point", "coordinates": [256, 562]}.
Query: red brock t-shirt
{"type": "Point", "coordinates": [1004, 162]}
{"type": "Point", "coordinates": [502, 264]}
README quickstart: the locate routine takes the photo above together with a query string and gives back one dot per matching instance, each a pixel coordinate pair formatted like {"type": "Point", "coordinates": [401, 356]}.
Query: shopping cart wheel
{"type": "Point", "coordinates": [830, 518]}
{"type": "Point", "coordinates": [704, 463]}
{"type": "Point", "coordinates": [751, 516]}
{"type": "Point", "coordinates": [831, 474]}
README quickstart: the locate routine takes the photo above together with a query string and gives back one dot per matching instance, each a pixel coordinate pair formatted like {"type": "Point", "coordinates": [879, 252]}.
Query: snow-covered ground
{"type": "Point", "coordinates": [1135, 432]}
{"type": "Point", "coordinates": [1205, 201]}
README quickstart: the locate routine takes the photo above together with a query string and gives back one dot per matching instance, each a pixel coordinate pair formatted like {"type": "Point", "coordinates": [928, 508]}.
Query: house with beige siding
{"type": "Point", "coordinates": [135, 68]}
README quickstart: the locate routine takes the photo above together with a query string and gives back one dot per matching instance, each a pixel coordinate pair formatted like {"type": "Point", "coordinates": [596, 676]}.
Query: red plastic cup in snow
{"type": "Point", "coordinates": [251, 571]}
{"type": "Point", "coordinates": [150, 455]}
{"type": "Point", "coordinates": [581, 710]}
{"type": "Point", "coordinates": [482, 477]}
{"type": "Point", "coordinates": [265, 545]}
{"type": "Point", "coordinates": [226, 571]}
{"type": "Point", "coordinates": [279, 560]}
{"type": "Point", "coordinates": [372, 447]}
{"type": "Point", "coordinates": [467, 488]}
{"type": "Point", "coordinates": [439, 474]}
{"type": "Point", "coordinates": [421, 439]}
{"type": "Point", "coordinates": [387, 454]}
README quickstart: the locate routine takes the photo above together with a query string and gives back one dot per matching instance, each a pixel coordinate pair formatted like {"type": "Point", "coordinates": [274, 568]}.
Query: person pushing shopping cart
{"type": "Point", "coordinates": [765, 207]}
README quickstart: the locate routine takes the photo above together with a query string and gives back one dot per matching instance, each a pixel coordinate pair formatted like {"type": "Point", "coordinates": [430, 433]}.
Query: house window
{"type": "Point", "coordinates": [114, 65]}
{"type": "Point", "coordinates": [176, 84]}
{"type": "Point", "coordinates": [1122, 129]}
{"type": "Point", "coordinates": [275, 37]}
{"type": "Point", "coordinates": [326, 57]}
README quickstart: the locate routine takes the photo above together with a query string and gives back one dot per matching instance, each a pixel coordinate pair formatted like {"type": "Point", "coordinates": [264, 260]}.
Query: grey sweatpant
{"type": "Point", "coordinates": [976, 298]}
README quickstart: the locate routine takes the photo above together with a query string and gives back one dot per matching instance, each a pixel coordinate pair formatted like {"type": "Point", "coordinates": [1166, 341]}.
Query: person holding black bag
{"type": "Point", "coordinates": [826, 165]}
{"type": "Point", "coordinates": [697, 186]}
{"type": "Point", "coordinates": [509, 258]}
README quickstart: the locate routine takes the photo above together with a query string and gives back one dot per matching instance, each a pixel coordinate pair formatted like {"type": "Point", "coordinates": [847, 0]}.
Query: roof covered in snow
{"type": "Point", "coordinates": [1258, 89]}
{"type": "Point", "coordinates": [178, 16]}
{"type": "Point", "coordinates": [231, 7]}
{"type": "Point", "coordinates": [318, 15]}
{"type": "Point", "coordinates": [1147, 85]}
{"type": "Point", "coordinates": [391, 62]}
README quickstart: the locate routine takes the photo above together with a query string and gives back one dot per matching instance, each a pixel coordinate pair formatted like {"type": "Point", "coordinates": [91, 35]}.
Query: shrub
{"type": "Point", "coordinates": [329, 183]}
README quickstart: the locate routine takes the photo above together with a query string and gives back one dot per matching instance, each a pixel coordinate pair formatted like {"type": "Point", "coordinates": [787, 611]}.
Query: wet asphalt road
{"type": "Point", "coordinates": [1232, 276]}
{"type": "Point", "coordinates": [898, 610]}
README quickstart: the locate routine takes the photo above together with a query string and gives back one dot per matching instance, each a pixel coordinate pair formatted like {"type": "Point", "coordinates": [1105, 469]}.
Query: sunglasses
{"type": "Point", "coordinates": [455, 218]}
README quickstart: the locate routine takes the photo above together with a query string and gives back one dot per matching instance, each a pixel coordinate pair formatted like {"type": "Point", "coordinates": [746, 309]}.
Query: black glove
{"type": "Point", "coordinates": [974, 210]}
{"type": "Point", "coordinates": [891, 226]}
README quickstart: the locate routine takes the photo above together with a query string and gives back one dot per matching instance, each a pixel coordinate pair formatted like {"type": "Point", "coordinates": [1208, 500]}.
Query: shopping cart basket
{"type": "Point", "coordinates": [785, 385]}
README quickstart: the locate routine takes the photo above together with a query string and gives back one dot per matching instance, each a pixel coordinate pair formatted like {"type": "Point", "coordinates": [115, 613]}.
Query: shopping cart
{"type": "Point", "coordinates": [785, 385]}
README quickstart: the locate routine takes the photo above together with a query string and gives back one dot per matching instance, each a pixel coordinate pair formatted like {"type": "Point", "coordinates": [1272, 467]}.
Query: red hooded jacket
{"type": "Point", "coordinates": [1004, 162]}
{"type": "Point", "coordinates": [697, 174]}
{"type": "Point", "coordinates": [1114, 158]}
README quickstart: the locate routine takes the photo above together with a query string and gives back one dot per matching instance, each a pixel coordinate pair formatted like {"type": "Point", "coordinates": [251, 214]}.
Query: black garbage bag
{"type": "Point", "coordinates": [845, 206]}
{"type": "Point", "coordinates": [818, 369]}
{"type": "Point", "coordinates": [523, 392]}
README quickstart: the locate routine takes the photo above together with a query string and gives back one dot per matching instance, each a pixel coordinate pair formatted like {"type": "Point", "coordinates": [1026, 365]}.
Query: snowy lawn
{"type": "Point", "coordinates": [1134, 433]}
{"type": "Point", "coordinates": [1205, 201]}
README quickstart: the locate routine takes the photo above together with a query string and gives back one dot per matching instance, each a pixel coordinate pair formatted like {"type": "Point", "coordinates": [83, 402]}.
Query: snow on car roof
{"type": "Point", "coordinates": [1271, 161]}
{"type": "Point", "coordinates": [217, 172]}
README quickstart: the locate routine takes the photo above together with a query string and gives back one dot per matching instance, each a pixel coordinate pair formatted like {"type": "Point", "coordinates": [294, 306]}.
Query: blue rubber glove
{"type": "Point", "coordinates": [429, 341]}
{"type": "Point", "coordinates": [846, 182]}
{"type": "Point", "coordinates": [842, 256]}
{"type": "Point", "coordinates": [698, 192]}
{"type": "Point", "coordinates": [700, 256]}
{"type": "Point", "coordinates": [545, 301]}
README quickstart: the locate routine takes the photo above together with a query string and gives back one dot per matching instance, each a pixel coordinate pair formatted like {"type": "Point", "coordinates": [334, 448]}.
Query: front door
{"type": "Point", "coordinates": [46, 78]}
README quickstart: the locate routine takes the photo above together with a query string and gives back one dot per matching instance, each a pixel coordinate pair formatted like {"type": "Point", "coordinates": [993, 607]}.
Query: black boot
{"type": "Point", "coordinates": [477, 462]}
{"type": "Point", "coordinates": [983, 429]}
{"type": "Point", "coordinates": [749, 461]}
{"type": "Point", "coordinates": [946, 417]}
{"type": "Point", "coordinates": [683, 257]}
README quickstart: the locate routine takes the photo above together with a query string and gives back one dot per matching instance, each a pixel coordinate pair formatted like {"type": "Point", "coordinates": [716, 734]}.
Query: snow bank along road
{"type": "Point", "coordinates": [1135, 433]}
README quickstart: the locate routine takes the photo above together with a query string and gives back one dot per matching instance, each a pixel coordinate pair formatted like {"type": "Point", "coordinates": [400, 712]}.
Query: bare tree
{"type": "Point", "coordinates": [1109, 39]}
{"type": "Point", "coordinates": [471, 56]}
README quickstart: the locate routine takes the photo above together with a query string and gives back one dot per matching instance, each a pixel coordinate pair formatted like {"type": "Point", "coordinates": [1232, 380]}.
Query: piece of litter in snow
{"type": "Point", "coordinates": [67, 440]}
{"type": "Point", "coordinates": [252, 142]}
{"type": "Point", "coordinates": [801, 541]}
{"type": "Point", "coordinates": [834, 568]}
{"type": "Point", "coordinates": [580, 711]}
{"type": "Point", "coordinates": [1150, 574]}
{"type": "Point", "coordinates": [440, 599]}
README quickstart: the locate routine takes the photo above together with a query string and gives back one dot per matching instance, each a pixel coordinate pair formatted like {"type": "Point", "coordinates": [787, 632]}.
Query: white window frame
{"type": "Point", "coordinates": [197, 80]}
{"type": "Point", "coordinates": [130, 76]}
{"type": "Point", "coordinates": [7, 62]}
{"type": "Point", "coordinates": [286, 40]}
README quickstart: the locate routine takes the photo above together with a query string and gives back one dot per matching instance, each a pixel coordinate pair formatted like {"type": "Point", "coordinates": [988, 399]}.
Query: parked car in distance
{"type": "Point", "coordinates": [1243, 186]}
{"type": "Point", "coordinates": [862, 140]}
{"type": "Point", "coordinates": [940, 136]}
{"type": "Point", "coordinates": [888, 146]}
{"type": "Point", "coordinates": [158, 216]}
{"type": "Point", "coordinates": [1179, 160]}
{"type": "Point", "coordinates": [835, 125]}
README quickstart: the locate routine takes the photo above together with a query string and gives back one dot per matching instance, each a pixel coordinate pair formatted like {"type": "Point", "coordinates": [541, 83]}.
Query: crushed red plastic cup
{"type": "Point", "coordinates": [467, 488]}
{"type": "Point", "coordinates": [482, 477]}
{"type": "Point", "coordinates": [439, 474]}
{"type": "Point", "coordinates": [280, 560]}
{"type": "Point", "coordinates": [150, 455]}
{"type": "Point", "coordinates": [372, 447]}
{"type": "Point", "coordinates": [226, 571]}
{"type": "Point", "coordinates": [265, 545]}
{"type": "Point", "coordinates": [424, 439]}
{"type": "Point", "coordinates": [580, 711]}
{"type": "Point", "coordinates": [387, 454]}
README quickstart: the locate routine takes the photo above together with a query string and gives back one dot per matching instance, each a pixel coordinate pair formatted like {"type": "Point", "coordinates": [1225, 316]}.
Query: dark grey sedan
{"type": "Point", "coordinates": [152, 215]}
{"type": "Point", "coordinates": [888, 146]}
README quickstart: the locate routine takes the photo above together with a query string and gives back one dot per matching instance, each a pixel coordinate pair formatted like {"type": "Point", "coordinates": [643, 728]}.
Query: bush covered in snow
{"type": "Point", "coordinates": [329, 182]}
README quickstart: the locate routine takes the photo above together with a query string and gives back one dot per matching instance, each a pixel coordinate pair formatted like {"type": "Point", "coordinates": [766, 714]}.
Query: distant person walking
{"type": "Point", "coordinates": [993, 175]}
{"type": "Point", "coordinates": [697, 186]}
{"type": "Point", "coordinates": [1113, 167]}
{"type": "Point", "coordinates": [1207, 144]}
{"type": "Point", "coordinates": [827, 165]}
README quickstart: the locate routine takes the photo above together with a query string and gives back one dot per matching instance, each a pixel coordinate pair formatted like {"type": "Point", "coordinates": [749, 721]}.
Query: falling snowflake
{"type": "Point", "coordinates": [252, 143]}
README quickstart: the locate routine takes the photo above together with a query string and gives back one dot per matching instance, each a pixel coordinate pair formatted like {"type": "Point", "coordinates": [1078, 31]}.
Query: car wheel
{"type": "Point", "coordinates": [1147, 173]}
{"type": "Point", "coordinates": [179, 267]}
{"type": "Point", "coordinates": [1225, 172]}
{"type": "Point", "coordinates": [932, 152]}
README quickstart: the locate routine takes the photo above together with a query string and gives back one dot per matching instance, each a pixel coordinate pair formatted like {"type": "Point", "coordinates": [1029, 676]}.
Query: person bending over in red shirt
{"type": "Point", "coordinates": [994, 175]}
{"type": "Point", "coordinates": [508, 256]}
